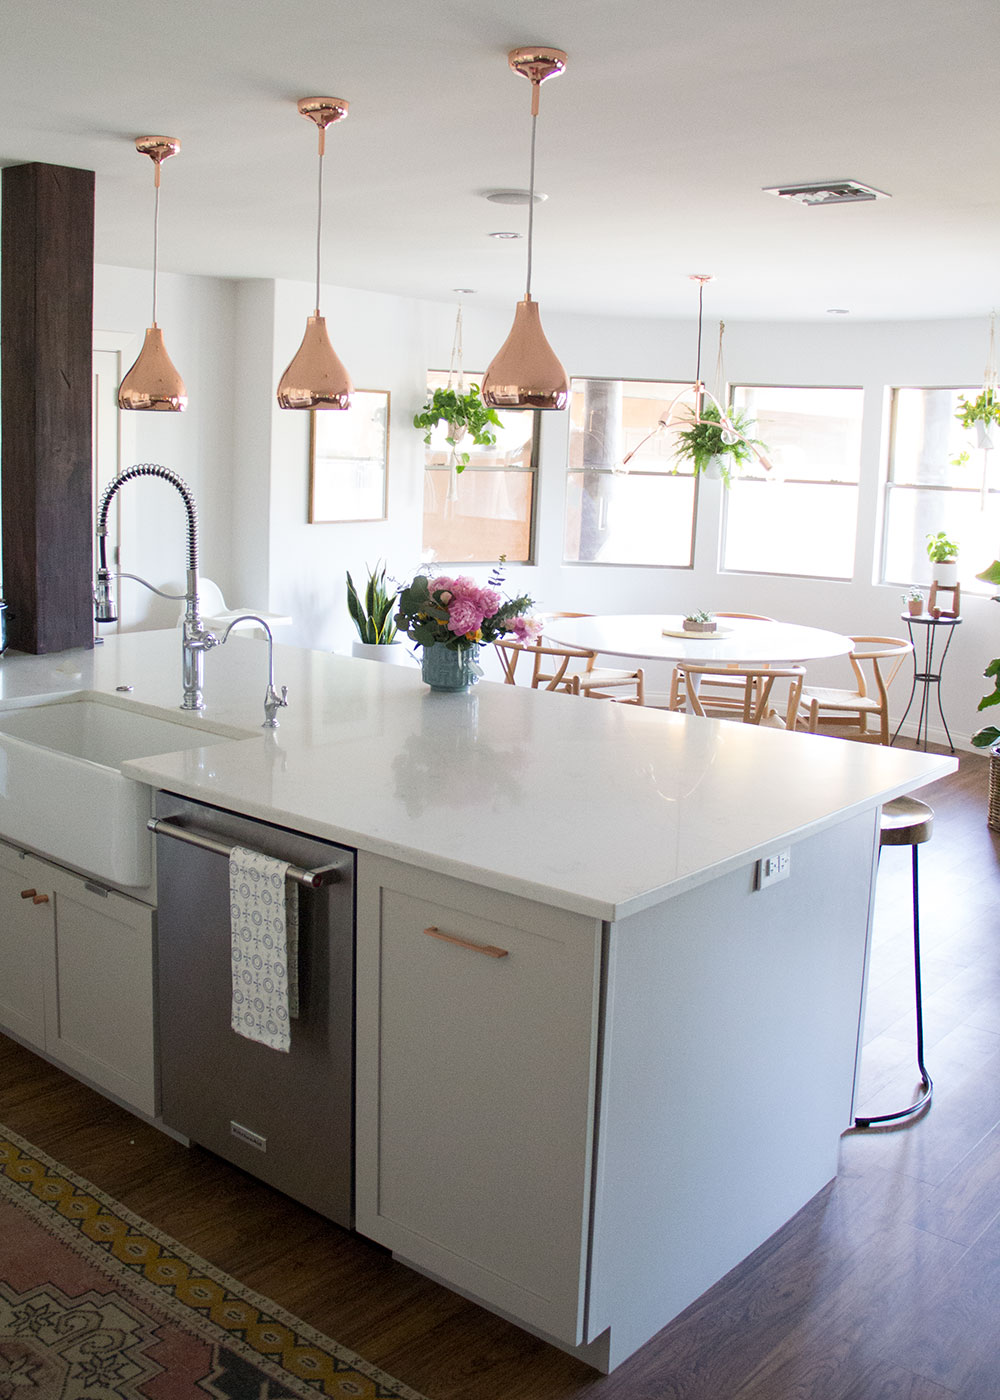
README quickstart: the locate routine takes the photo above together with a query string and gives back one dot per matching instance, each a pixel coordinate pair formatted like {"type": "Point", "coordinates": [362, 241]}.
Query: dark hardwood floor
{"type": "Point", "coordinates": [885, 1287]}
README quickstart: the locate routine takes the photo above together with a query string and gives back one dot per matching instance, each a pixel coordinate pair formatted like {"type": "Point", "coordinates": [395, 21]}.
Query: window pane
{"type": "Point", "coordinates": [803, 519]}
{"type": "Point", "coordinates": [811, 434]}
{"type": "Point", "coordinates": [490, 512]}
{"type": "Point", "coordinates": [609, 418]}
{"type": "Point", "coordinates": [928, 491]}
{"type": "Point", "coordinates": [629, 518]}
{"type": "Point", "coordinates": [491, 516]}
{"type": "Point", "coordinates": [914, 513]}
{"type": "Point", "coordinates": [926, 437]}
{"type": "Point", "coordinates": [790, 528]}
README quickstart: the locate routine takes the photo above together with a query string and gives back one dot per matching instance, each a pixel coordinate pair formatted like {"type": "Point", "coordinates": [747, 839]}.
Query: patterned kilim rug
{"type": "Point", "coordinates": [96, 1304]}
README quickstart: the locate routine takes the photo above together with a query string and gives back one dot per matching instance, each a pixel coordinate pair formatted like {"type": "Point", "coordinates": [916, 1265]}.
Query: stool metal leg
{"type": "Point", "coordinates": [926, 1083]}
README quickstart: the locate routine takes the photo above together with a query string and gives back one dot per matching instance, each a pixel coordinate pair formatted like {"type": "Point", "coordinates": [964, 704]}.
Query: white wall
{"type": "Point", "coordinates": [198, 319]}
{"type": "Point", "coordinates": [248, 461]}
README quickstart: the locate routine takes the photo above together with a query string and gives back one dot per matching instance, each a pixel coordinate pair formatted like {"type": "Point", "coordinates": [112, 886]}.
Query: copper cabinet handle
{"type": "Point", "coordinates": [28, 894]}
{"type": "Point", "coordinates": [487, 948]}
{"type": "Point", "coordinates": [35, 897]}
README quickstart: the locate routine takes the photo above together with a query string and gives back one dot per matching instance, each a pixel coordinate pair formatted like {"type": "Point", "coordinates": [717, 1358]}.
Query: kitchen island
{"type": "Point", "coordinates": [625, 1065]}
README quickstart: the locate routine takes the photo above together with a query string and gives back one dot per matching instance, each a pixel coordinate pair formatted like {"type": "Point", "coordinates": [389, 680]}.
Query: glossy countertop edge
{"type": "Point", "coordinates": [315, 744]}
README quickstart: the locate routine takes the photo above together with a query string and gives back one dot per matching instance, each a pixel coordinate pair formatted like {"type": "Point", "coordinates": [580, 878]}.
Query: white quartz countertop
{"type": "Point", "coordinates": [597, 808]}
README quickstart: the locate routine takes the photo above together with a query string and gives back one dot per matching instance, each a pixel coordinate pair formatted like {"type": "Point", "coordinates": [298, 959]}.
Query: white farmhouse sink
{"type": "Point", "coordinates": [61, 791]}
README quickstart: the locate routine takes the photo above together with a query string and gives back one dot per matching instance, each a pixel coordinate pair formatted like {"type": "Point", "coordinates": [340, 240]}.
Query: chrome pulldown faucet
{"type": "Point", "coordinates": [195, 638]}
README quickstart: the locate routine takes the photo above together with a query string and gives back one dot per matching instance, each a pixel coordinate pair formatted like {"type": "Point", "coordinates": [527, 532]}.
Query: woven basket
{"type": "Point", "coordinates": [993, 810]}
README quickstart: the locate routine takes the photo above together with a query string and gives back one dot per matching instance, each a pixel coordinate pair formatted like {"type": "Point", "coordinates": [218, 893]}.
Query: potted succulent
{"type": "Point", "coordinates": [943, 554]}
{"type": "Point", "coordinates": [465, 414]}
{"type": "Point", "coordinates": [706, 444]}
{"type": "Point", "coordinates": [373, 617]}
{"type": "Point", "coordinates": [914, 600]}
{"type": "Point", "coordinates": [699, 621]}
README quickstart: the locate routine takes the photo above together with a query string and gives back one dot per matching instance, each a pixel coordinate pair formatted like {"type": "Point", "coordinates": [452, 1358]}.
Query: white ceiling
{"type": "Point", "coordinates": [653, 147]}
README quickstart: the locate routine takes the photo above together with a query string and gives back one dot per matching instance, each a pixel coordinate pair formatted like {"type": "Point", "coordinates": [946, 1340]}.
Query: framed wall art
{"type": "Point", "coordinates": [348, 457]}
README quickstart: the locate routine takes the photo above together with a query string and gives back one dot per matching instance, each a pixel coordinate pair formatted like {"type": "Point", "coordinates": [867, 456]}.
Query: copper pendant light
{"type": "Point", "coordinates": [316, 378]}
{"type": "Point", "coordinates": [153, 382]}
{"type": "Point", "coordinates": [525, 372]}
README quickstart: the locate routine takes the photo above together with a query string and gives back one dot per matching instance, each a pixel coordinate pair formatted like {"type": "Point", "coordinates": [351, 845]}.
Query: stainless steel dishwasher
{"type": "Point", "coordinates": [285, 1118]}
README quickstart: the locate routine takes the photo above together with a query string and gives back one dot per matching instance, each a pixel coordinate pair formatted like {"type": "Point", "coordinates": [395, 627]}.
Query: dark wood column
{"type": "Point", "coordinates": [46, 335]}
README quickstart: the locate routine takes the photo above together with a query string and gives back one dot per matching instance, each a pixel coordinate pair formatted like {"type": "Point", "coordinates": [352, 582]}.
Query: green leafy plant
{"type": "Point", "coordinates": [913, 595]}
{"type": "Point", "coordinates": [989, 735]}
{"type": "Point", "coordinates": [985, 408]}
{"type": "Point", "coordinates": [699, 615]}
{"type": "Point", "coordinates": [459, 411]}
{"type": "Point", "coordinates": [373, 618]}
{"type": "Point", "coordinates": [940, 549]}
{"type": "Point", "coordinates": [702, 441]}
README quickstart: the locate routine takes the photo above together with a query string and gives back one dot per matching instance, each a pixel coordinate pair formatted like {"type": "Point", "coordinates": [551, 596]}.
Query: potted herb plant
{"type": "Point", "coordinates": [914, 600]}
{"type": "Point", "coordinates": [943, 554]}
{"type": "Point", "coordinates": [465, 415]}
{"type": "Point", "coordinates": [373, 617]}
{"type": "Point", "coordinates": [705, 443]}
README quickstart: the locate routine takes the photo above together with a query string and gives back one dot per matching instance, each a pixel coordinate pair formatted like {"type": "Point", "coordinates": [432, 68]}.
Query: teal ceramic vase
{"type": "Point", "coordinates": [445, 669]}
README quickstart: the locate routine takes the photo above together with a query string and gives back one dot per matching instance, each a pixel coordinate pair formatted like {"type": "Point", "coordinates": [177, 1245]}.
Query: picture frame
{"type": "Point", "coordinates": [348, 460]}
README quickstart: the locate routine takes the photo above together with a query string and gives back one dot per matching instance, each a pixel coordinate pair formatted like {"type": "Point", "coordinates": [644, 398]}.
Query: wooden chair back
{"type": "Point", "coordinates": [853, 708]}
{"type": "Point", "coordinates": [757, 682]}
{"type": "Point", "coordinates": [549, 664]}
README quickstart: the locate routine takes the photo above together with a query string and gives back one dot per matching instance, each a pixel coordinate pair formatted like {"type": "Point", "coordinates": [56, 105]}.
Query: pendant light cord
{"type": "Point", "coordinates": [156, 238]}
{"type": "Point", "coordinates": [319, 223]}
{"type": "Point", "coordinates": [531, 204]}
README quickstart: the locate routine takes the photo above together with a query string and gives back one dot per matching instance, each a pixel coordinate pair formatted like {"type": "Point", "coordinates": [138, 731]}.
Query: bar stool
{"type": "Point", "coordinates": [908, 822]}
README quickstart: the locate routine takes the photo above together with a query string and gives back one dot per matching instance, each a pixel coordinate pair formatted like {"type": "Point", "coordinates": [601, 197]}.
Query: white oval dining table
{"type": "Point", "coordinates": [739, 641]}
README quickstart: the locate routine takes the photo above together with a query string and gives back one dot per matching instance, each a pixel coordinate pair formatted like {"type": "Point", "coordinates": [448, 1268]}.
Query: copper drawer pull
{"type": "Point", "coordinates": [35, 897]}
{"type": "Point", "coordinates": [486, 948]}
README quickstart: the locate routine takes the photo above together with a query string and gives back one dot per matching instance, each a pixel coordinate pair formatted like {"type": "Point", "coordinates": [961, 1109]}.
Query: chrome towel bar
{"type": "Point", "coordinates": [312, 879]}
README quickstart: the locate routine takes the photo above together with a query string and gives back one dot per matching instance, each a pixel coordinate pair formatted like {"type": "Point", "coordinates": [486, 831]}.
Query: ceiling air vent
{"type": "Point", "coordinates": [827, 192]}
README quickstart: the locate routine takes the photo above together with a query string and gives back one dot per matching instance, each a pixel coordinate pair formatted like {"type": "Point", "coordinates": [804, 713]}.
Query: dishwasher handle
{"type": "Point", "coordinates": [312, 879]}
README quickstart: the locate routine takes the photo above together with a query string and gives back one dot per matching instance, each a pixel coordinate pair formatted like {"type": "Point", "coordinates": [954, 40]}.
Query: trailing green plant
{"type": "Point", "coordinates": [373, 618]}
{"type": "Point", "coordinates": [702, 441]}
{"type": "Point", "coordinates": [459, 411]}
{"type": "Point", "coordinates": [940, 549]}
{"type": "Point", "coordinates": [985, 408]}
{"type": "Point", "coordinates": [989, 735]}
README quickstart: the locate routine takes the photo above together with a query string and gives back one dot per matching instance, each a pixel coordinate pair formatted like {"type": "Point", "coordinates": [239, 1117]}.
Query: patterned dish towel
{"type": "Point", "coordinates": [264, 917]}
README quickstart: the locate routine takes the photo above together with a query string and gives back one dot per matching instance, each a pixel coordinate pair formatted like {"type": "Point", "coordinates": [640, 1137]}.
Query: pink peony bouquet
{"type": "Point", "coordinates": [459, 613]}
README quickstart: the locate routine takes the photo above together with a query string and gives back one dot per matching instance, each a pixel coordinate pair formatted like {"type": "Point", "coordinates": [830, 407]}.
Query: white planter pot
{"type": "Point", "coordinates": [392, 654]}
{"type": "Point", "coordinates": [945, 574]}
{"type": "Point", "coordinates": [713, 469]}
{"type": "Point", "coordinates": [984, 436]}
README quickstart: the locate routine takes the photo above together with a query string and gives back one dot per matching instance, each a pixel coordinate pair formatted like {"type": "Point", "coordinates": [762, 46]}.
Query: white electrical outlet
{"type": "Point", "coordinates": [771, 869]}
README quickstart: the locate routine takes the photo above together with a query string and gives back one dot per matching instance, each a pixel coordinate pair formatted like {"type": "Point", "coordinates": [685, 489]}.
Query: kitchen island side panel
{"type": "Point", "coordinates": [731, 1040]}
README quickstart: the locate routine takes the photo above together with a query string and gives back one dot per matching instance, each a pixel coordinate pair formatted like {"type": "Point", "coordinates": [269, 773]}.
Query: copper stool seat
{"type": "Point", "coordinates": [906, 821]}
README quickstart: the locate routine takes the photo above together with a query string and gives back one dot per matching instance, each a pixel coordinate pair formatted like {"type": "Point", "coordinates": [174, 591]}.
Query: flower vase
{"type": "Point", "coordinates": [445, 668]}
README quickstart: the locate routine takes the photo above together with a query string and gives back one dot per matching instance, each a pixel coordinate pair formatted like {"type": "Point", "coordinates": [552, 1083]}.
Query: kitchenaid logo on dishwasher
{"type": "Point", "coordinates": [245, 1135]}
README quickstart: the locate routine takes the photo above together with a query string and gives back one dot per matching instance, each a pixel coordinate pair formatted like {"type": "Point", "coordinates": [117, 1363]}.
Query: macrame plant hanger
{"type": "Point", "coordinates": [457, 431]}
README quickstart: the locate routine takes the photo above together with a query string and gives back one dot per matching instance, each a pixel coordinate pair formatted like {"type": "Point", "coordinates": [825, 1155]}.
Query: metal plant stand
{"type": "Point", "coordinates": [928, 676]}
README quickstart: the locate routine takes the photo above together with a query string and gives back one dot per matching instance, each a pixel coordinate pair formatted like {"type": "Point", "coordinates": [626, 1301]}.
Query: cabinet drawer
{"type": "Point", "coordinates": [477, 1028]}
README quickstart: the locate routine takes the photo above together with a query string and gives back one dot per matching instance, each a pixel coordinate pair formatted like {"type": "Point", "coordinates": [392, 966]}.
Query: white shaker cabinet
{"type": "Point", "coordinates": [76, 976]}
{"type": "Point", "coordinates": [476, 1081]}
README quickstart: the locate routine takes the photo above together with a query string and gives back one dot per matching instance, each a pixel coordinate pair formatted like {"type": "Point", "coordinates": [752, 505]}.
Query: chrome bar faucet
{"type": "Point", "coordinates": [195, 639]}
{"type": "Point", "coordinates": [273, 702]}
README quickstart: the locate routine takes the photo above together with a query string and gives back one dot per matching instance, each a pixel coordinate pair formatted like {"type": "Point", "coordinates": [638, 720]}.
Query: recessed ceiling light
{"type": "Point", "coordinates": [512, 196]}
{"type": "Point", "coordinates": [505, 233]}
{"type": "Point", "coordinates": [837, 311]}
{"type": "Point", "coordinates": [827, 192]}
